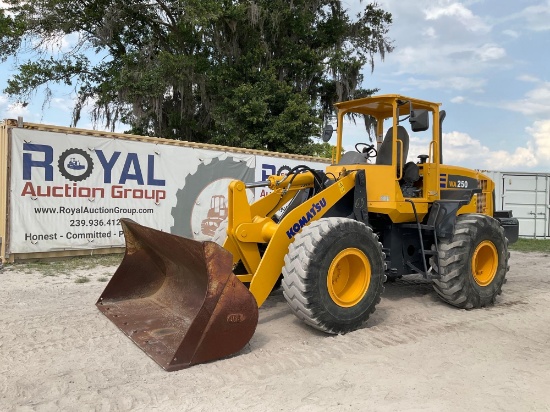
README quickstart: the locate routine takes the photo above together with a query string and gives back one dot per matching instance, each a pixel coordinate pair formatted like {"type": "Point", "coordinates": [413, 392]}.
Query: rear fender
{"type": "Point", "coordinates": [509, 223]}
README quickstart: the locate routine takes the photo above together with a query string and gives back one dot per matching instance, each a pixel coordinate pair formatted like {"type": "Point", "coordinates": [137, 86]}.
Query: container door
{"type": "Point", "coordinates": [527, 197]}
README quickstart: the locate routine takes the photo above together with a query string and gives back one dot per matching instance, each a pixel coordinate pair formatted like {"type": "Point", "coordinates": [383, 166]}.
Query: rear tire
{"type": "Point", "coordinates": [333, 275]}
{"type": "Point", "coordinates": [472, 263]}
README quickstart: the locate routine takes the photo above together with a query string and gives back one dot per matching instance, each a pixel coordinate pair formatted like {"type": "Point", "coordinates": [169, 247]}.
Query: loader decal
{"type": "Point", "coordinates": [78, 168]}
{"type": "Point", "coordinates": [462, 182]}
{"type": "Point", "coordinates": [304, 220]}
{"type": "Point", "coordinates": [195, 184]}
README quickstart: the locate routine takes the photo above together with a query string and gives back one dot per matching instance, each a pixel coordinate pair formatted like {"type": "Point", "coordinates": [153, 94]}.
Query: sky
{"type": "Point", "coordinates": [486, 61]}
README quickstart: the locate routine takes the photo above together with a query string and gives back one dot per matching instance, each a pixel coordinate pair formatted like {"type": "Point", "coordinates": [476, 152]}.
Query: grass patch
{"type": "Point", "coordinates": [531, 245]}
{"type": "Point", "coordinates": [67, 266]}
{"type": "Point", "coordinates": [82, 279]}
{"type": "Point", "coordinates": [103, 279]}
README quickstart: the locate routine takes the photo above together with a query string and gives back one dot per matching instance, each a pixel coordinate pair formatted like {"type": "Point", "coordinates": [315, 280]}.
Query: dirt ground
{"type": "Point", "coordinates": [58, 352]}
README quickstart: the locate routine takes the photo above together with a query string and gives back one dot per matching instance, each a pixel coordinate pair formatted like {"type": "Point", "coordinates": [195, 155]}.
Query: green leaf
{"type": "Point", "coordinates": [249, 73]}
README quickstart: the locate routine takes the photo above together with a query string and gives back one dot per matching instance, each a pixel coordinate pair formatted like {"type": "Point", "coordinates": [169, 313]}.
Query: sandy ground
{"type": "Point", "coordinates": [58, 352]}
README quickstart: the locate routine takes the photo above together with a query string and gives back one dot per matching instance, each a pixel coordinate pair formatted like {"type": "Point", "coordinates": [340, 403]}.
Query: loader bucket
{"type": "Point", "coordinates": [177, 299]}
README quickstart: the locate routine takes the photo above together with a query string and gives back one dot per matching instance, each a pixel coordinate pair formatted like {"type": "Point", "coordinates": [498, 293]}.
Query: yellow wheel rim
{"type": "Point", "coordinates": [348, 277]}
{"type": "Point", "coordinates": [485, 263]}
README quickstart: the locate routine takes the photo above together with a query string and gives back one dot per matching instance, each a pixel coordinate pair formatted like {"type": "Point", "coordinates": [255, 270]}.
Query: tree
{"type": "Point", "coordinates": [249, 73]}
{"type": "Point", "coordinates": [322, 149]}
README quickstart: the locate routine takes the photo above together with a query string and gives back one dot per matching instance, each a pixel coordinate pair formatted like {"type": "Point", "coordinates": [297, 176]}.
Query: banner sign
{"type": "Point", "coordinates": [268, 166]}
{"type": "Point", "coordinates": [69, 191]}
{"type": "Point", "coordinates": [201, 198]}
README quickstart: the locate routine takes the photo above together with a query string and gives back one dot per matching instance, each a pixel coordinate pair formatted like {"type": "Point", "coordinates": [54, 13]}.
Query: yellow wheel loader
{"type": "Point", "coordinates": [332, 237]}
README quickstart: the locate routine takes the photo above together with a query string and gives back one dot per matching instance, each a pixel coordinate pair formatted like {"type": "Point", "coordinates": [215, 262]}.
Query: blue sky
{"type": "Point", "coordinates": [486, 61]}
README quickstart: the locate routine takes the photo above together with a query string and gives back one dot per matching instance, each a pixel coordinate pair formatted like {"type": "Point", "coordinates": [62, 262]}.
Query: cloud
{"type": "Point", "coordinates": [458, 149]}
{"type": "Point", "coordinates": [14, 110]}
{"type": "Point", "coordinates": [536, 102]}
{"type": "Point", "coordinates": [11, 110]}
{"type": "Point", "coordinates": [461, 149]}
{"type": "Point", "coordinates": [461, 14]}
{"type": "Point", "coordinates": [452, 42]}
{"type": "Point", "coordinates": [511, 33]}
{"type": "Point", "coordinates": [540, 130]}
{"type": "Point", "coordinates": [489, 52]}
{"type": "Point", "coordinates": [528, 78]}
{"type": "Point", "coordinates": [458, 99]}
{"type": "Point", "coordinates": [452, 83]}
{"type": "Point", "coordinates": [449, 60]}
{"type": "Point", "coordinates": [430, 32]}
{"type": "Point", "coordinates": [522, 158]}
{"type": "Point", "coordinates": [64, 104]}
{"type": "Point", "coordinates": [537, 17]}
{"type": "Point", "coordinates": [534, 18]}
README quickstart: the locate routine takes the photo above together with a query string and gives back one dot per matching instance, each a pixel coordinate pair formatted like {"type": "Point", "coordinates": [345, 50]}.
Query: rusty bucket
{"type": "Point", "coordinates": [177, 299]}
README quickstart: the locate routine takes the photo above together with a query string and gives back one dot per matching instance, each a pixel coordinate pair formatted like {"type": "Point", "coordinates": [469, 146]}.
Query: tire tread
{"type": "Point", "coordinates": [297, 279]}
{"type": "Point", "coordinates": [454, 285]}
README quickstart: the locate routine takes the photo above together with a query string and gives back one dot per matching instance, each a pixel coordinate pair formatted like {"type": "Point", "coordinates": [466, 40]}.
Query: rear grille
{"type": "Point", "coordinates": [482, 198]}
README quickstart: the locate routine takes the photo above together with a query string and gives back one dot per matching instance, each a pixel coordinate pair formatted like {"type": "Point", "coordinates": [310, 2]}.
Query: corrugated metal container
{"type": "Point", "coordinates": [527, 195]}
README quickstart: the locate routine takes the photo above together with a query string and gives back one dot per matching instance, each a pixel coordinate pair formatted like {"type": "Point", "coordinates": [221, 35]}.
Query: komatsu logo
{"type": "Point", "coordinates": [304, 220]}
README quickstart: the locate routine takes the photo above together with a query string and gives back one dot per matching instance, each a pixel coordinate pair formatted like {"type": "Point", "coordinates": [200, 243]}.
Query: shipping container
{"type": "Point", "coordinates": [527, 195]}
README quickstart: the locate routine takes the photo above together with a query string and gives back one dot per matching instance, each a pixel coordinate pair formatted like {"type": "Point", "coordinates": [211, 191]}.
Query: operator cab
{"type": "Point", "coordinates": [390, 114]}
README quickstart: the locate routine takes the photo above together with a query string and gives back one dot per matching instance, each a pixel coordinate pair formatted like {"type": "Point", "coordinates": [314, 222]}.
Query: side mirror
{"type": "Point", "coordinates": [420, 120]}
{"type": "Point", "coordinates": [327, 132]}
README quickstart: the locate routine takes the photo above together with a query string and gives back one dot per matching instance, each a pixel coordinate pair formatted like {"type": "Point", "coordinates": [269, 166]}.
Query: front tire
{"type": "Point", "coordinates": [333, 275]}
{"type": "Point", "coordinates": [472, 263]}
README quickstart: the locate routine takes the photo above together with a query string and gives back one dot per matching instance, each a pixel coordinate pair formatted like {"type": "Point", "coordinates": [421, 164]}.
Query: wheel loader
{"type": "Point", "coordinates": [331, 237]}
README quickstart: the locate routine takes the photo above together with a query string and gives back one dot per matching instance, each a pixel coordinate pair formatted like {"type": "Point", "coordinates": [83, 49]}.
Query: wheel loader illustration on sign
{"type": "Point", "coordinates": [75, 164]}
{"type": "Point", "coordinates": [216, 215]}
{"type": "Point", "coordinates": [368, 217]}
